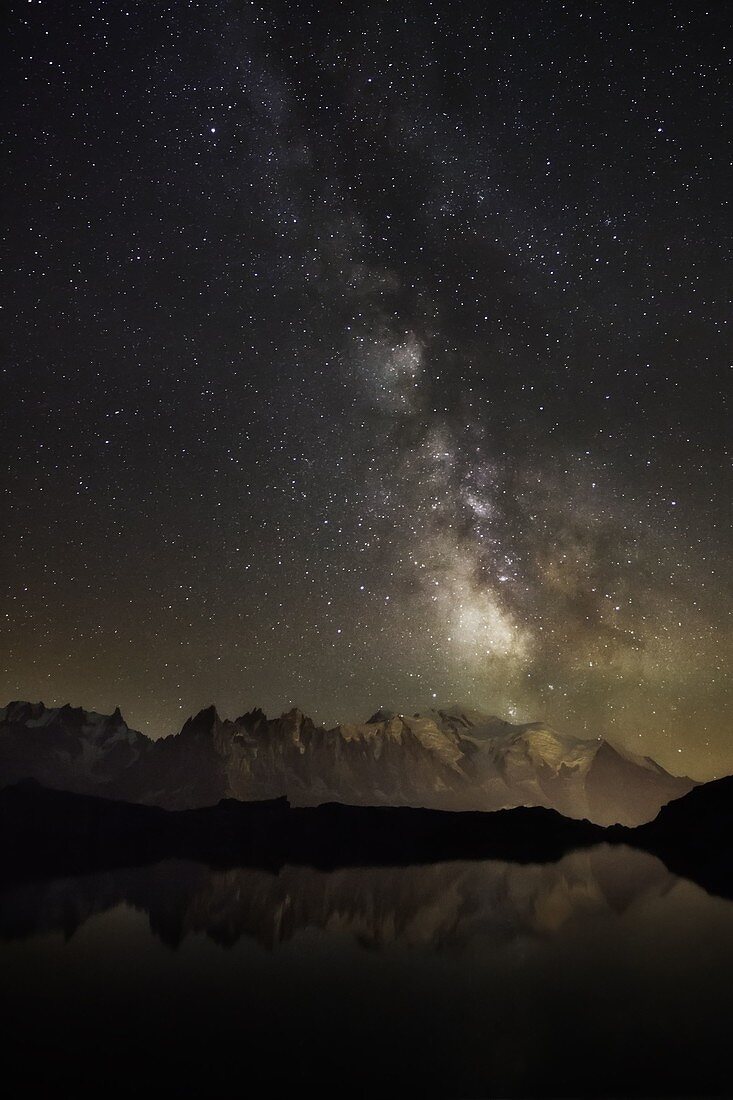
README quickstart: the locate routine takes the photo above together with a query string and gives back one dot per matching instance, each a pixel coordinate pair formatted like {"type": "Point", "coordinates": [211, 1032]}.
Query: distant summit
{"type": "Point", "coordinates": [381, 715]}
{"type": "Point", "coordinates": [451, 759]}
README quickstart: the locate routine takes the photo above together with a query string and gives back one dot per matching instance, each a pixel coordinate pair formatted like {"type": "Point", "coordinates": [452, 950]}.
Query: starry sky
{"type": "Point", "coordinates": [370, 355]}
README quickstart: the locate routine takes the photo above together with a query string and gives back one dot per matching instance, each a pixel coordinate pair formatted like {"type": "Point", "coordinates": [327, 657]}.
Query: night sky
{"type": "Point", "coordinates": [370, 356]}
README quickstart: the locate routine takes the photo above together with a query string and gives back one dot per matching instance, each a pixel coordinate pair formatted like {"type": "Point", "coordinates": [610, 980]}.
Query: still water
{"type": "Point", "coordinates": [600, 974]}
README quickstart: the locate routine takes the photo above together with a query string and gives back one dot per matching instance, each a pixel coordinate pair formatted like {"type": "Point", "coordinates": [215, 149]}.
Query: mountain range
{"type": "Point", "coordinates": [449, 759]}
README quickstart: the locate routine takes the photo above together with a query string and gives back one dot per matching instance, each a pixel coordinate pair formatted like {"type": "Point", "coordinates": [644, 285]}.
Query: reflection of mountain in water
{"type": "Point", "coordinates": [599, 974]}
{"type": "Point", "coordinates": [444, 905]}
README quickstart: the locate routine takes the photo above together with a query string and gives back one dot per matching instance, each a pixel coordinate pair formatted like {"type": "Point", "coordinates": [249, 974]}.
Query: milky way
{"type": "Point", "coordinates": [370, 357]}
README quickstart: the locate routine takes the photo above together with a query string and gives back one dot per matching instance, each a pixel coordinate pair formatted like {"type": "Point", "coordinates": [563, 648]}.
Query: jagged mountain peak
{"type": "Point", "coordinates": [251, 718]}
{"type": "Point", "coordinates": [609, 749]}
{"type": "Point", "coordinates": [294, 722]}
{"type": "Point", "coordinates": [383, 714]}
{"type": "Point", "coordinates": [35, 715]}
{"type": "Point", "coordinates": [19, 710]}
{"type": "Point", "coordinates": [295, 714]}
{"type": "Point", "coordinates": [204, 721]}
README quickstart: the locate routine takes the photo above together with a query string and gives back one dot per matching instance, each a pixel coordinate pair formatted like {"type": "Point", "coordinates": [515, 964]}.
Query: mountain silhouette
{"type": "Point", "coordinates": [448, 759]}
{"type": "Point", "coordinates": [58, 832]}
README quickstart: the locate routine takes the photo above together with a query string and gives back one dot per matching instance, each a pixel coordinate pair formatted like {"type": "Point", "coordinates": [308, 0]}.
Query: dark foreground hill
{"type": "Point", "coordinates": [693, 836]}
{"type": "Point", "coordinates": [45, 831]}
{"type": "Point", "coordinates": [57, 830]}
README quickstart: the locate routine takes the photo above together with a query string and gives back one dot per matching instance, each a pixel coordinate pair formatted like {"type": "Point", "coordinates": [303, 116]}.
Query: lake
{"type": "Point", "coordinates": [597, 975]}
